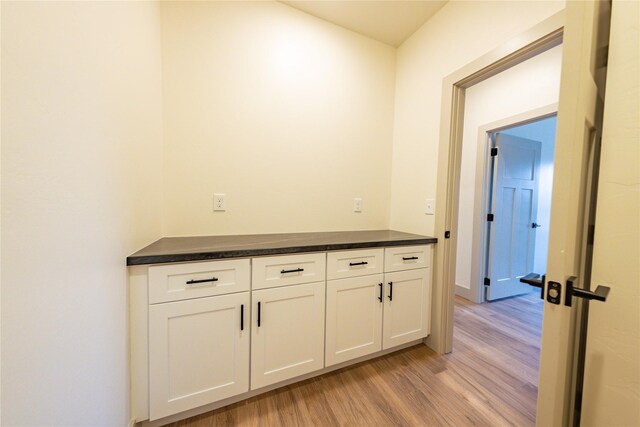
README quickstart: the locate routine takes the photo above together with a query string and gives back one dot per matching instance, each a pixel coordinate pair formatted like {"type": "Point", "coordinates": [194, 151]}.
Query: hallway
{"type": "Point", "coordinates": [489, 379]}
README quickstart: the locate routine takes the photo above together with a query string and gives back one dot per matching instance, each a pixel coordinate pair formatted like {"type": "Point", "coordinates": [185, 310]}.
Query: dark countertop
{"type": "Point", "coordinates": [179, 249]}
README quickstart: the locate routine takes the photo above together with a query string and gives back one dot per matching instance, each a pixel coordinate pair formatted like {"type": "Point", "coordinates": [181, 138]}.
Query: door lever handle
{"type": "Point", "coordinates": [600, 294]}
{"type": "Point", "coordinates": [534, 225]}
{"type": "Point", "coordinates": [534, 279]}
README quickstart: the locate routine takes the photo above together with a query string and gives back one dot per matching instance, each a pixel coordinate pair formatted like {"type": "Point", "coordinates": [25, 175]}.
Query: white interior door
{"type": "Point", "coordinates": [580, 105]}
{"type": "Point", "coordinates": [612, 363]}
{"type": "Point", "coordinates": [514, 205]}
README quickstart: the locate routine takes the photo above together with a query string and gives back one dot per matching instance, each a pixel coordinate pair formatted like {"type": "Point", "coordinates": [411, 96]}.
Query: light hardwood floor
{"type": "Point", "coordinates": [489, 379]}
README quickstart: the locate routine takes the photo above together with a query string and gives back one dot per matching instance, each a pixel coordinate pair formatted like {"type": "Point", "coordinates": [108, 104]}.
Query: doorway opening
{"type": "Point", "coordinates": [517, 207]}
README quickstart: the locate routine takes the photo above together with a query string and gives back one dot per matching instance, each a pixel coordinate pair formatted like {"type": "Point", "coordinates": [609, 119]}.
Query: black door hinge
{"type": "Point", "coordinates": [487, 281]}
{"type": "Point", "coordinates": [490, 217]}
{"type": "Point", "coordinates": [494, 151]}
{"type": "Point", "coordinates": [447, 234]}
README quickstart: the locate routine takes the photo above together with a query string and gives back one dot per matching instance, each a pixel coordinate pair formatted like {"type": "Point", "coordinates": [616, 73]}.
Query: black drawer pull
{"type": "Point", "coordinates": [380, 297]}
{"type": "Point", "coordinates": [213, 279]}
{"type": "Point", "coordinates": [351, 264]}
{"type": "Point", "coordinates": [409, 258]}
{"type": "Point", "coordinates": [242, 317]}
{"type": "Point", "coordinates": [390, 291]}
{"type": "Point", "coordinates": [296, 270]}
{"type": "Point", "coordinates": [258, 314]}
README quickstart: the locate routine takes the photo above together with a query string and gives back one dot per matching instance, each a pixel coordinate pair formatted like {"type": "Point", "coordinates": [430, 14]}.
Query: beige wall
{"type": "Point", "coordinates": [290, 116]}
{"type": "Point", "coordinates": [81, 167]}
{"type": "Point", "coordinates": [459, 33]}
{"type": "Point", "coordinates": [530, 85]}
{"type": "Point", "coordinates": [612, 366]}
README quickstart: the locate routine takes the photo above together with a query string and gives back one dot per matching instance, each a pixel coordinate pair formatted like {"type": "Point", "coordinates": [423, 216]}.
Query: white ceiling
{"type": "Point", "coordinates": [391, 21]}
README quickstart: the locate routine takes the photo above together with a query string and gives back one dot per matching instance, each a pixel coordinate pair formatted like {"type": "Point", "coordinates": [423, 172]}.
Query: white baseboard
{"type": "Point", "coordinates": [466, 293]}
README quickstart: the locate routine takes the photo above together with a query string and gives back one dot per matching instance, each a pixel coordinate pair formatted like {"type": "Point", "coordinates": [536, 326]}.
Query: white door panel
{"type": "Point", "coordinates": [612, 363]}
{"type": "Point", "coordinates": [515, 198]}
{"type": "Point", "coordinates": [580, 100]}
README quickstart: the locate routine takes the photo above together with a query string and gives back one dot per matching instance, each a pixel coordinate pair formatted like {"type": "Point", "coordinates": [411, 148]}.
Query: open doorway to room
{"type": "Point", "coordinates": [504, 322]}
{"type": "Point", "coordinates": [502, 221]}
{"type": "Point", "coordinates": [517, 207]}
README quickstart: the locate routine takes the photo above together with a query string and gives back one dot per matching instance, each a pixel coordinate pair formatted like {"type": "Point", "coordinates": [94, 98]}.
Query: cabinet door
{"type": "Point", "coordinates": [354, 318]}
{"type": "Point", "coordinates": [198, 352]}
{"type": "Point", "coordinates": [287, 333]}
{"type": "Point", "coordinates": [407, 307]}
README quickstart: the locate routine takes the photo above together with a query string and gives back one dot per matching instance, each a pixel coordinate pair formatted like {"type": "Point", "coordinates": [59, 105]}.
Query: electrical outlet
{"type": "Point", "coordinates": [357, 204]}
{"type": "Point", "coordinates": [219, 202]}
{"type": "Point", "coordinates": [430, 207]}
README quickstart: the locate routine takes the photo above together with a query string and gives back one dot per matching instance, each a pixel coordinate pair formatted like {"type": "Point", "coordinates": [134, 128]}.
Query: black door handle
{"type": "Point", "coordinates": [258, 314]}
{"type": "Point", "coordinates": [409, 258]}
{"type": "Point", "coordinates": [534, 225]}
{"type": "Point", "coordinates": [390, 291]}
{"type": "Point", "coordinates": [242, 317]}
{"type": "Point", "coordinates": [600, 294]}
{"type": "Point", "coordinates": [534, 279]}
{"type": "Point", "coordinates": [380, 297]}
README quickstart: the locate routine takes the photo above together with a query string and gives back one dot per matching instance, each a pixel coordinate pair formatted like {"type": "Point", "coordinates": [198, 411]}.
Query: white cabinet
{"type": "Point", "coordinates": [354, 318]}
{"type": "Point", "coordinates": [287, 332]}
{"type": "Point", "coordinates": [407, 305]}
{"type": "Point", "coordinates": [198, 352]}
{"type": "Point", "coordinates": [206, 333]}
{"type": "Point", "coordinates": [370, 313]}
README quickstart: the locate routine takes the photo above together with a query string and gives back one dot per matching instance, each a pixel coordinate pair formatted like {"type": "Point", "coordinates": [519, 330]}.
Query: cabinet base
{"type": "Point", "coordinates": [252, 393]}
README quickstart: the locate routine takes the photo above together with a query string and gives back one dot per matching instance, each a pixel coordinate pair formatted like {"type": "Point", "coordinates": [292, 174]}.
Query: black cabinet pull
{"type": "Point", "coordinates": [213, 279]}
{"type": "Point", "coordinates": [296, 270]}
{"type": "Point", "coordinates": [390, 291]}
{"type": "Point", "coordinates": [409, 258]}
{"type": "Point", "coordinates": [242, 317]}
{"type": "Point", "coordinates": [258, 314]}
{"type": "Point", "coordinates": [380, 297]}
{"type": "Point", "coordinates": [351, 264]}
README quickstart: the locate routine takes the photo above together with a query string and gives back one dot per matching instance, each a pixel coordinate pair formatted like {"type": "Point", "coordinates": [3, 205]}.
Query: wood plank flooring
{"type": "Point", "coordinates": [490, 379]}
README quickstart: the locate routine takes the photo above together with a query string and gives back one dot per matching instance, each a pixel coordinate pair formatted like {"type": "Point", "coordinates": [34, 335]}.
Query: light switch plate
{"type": "Point", "coordinates": [430, 207]}
{"type": "Point", "coordinates": [357, 204]}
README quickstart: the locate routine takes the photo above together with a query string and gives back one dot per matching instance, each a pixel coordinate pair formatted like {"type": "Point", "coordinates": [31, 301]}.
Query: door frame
{"type": "Point", "coordinates": [540, 38]}
{"type": "Point", "coordinates": [481, 195]}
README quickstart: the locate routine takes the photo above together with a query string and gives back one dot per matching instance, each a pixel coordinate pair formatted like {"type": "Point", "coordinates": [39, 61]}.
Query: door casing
{"type": "Point", "coordinates": [542, 37]}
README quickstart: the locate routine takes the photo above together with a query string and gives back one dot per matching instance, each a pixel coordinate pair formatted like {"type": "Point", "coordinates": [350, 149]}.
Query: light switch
{"type": "Point", "coordinates": [430, 207]}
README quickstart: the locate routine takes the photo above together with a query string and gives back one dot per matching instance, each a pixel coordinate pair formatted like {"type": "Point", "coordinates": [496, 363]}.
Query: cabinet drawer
{"type": "Point", "coordinates": [407, 257]}
{"type": "Point", "coordinates": [341, 265]}
{"type": "Point", "coordinates": [176, 282]}
{"type": "Point", "coordinates": [271, 272]}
